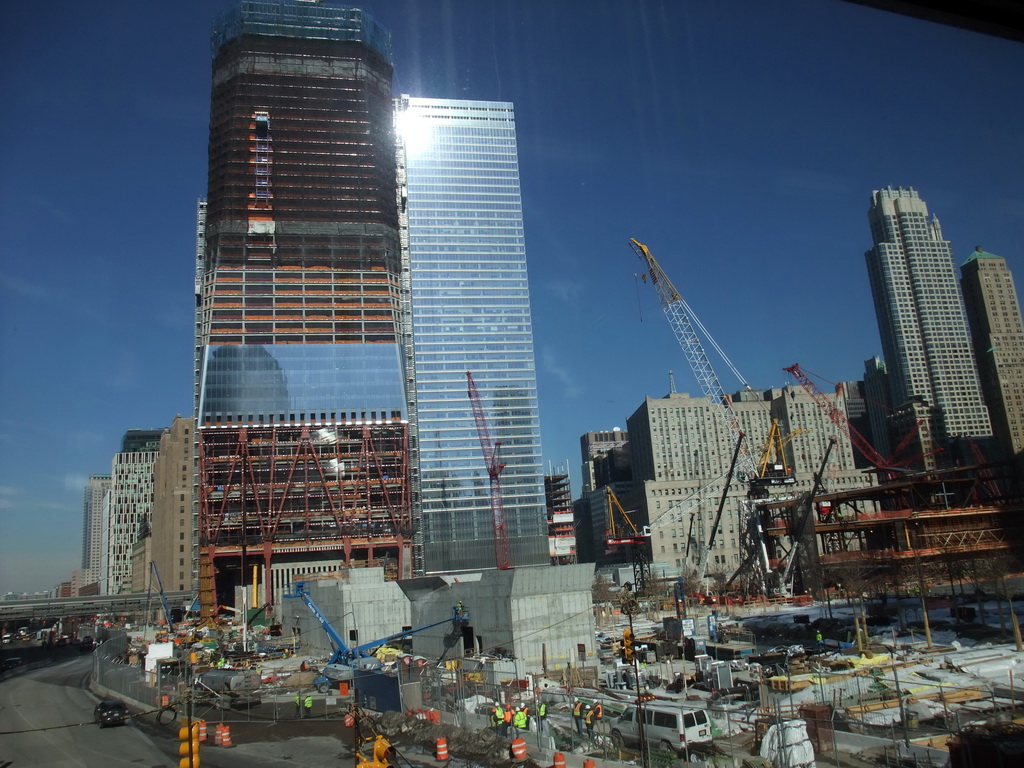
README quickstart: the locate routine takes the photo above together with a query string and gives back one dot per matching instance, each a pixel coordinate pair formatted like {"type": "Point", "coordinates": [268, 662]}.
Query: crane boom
{"type": "Point", "coordinates": [636, 539]}
{"type": "Point", "coordinates": [837, 417]}
{"type": "Point", "coordinates": [702, 564]}
{"type": "Point", "coordinates": [682, 320]}
{"type": "Point", "coordinates": [491, 451]}
{"type": "Point", "coordinates": [163, 596]}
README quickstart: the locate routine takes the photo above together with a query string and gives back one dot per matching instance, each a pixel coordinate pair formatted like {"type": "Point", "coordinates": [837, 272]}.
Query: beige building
{"type": "Point", "coordinates": [168, 536]}
{"type": "Point", "coordinates": [681, 457]}
{"type": "Point", "coordinates": [997, 333]}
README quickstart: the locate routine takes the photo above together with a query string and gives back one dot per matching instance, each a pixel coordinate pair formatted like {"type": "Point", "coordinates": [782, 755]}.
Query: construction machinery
{"type": "Point", "coordinates": [705, 555]}
{"type": "Point", "coordinates": [684, 325]}
{"type": "Point", "coordinates": [163, 597]}
{"type": "Point", "coordinates": [773, 466]}
{"type": "Point", "coordinates": [888, 468]}
{"type": "Point", "coordinates": [622, 531]}
{"type": "Point", "coordinates": [804, 542]}
{"type": "Point", "coordinates": [491, 451]}
{"type": "Point", "coordinates": [347, 663]}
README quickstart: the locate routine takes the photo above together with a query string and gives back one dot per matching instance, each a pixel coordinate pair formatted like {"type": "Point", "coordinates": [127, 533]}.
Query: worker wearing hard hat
{"type": "Point", "coordinates": [519, 721]}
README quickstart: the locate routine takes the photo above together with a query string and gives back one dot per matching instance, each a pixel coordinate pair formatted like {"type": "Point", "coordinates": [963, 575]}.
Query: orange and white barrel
{"type": "Point", "coordinates": [225, 736]}
{"type": "Point", "coordinates": [441, 748]}
{"type": "Point", "coordinates": [518, 749]}
{"type": "Point", "coordinates": [558, 760]}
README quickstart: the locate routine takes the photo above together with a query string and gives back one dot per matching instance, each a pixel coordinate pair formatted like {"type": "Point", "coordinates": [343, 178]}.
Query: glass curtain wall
{"type": "Point", "coordinates": [470, 313]}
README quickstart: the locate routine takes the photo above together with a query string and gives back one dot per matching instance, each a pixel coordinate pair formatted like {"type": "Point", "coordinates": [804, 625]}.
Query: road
{"type": "Point", "coordinates": [46, 720]}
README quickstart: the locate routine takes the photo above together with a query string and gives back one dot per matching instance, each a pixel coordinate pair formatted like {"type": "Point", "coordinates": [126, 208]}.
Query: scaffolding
{"type": "Point", "coordinates": [337, 493]}
{"type": "Point", "coordinates": [927, 519]}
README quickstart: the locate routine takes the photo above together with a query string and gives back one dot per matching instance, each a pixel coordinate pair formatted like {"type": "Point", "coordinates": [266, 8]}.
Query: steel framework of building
{"type": "Point", "coordinates": [283, 492]}
{"type": "Point", "coordinates": [924, 518]}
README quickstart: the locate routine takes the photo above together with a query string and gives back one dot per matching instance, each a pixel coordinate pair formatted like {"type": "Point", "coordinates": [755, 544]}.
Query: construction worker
{"type": "Point", "coordinates": [519, 721]}
{"type": "Point", "coordinates": [598, 712]}
{"type": "Point", "coordinates": [588, 720]}
{"type": "Point", "coordinates": [307, 704]}
{"type": "Point", "coordinates": [497, 718]}
{"type": "Point", "coordinates": [542, 717]}
{"type": "Point", "coordinates": [577, 715]}
{"type": "Point", "coordinates": [298, 705]}
{"type": "Point", "coordinates": [508, 720]}
{"type": "Point", "coordinates": [821, 641]}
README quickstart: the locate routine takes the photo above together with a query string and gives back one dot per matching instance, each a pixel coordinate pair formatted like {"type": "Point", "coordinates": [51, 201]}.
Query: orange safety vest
{"type": "Point", "coordinates": [508, 714]}
{"type": "Point", "coordinates": [589, 718]}
{"type": "Point", "coordinates": [598, 711]}
{"type": "Point", "coordinates": [577, 711]}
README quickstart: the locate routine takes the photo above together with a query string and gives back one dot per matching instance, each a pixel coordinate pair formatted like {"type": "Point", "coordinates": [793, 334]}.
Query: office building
{"type": "Point", "coordinates": [930, 365]}
{"type": "Point", "coordinates": [997, 333]}
{"type": "Point", "coordinates": [606, 461]}
{"type": "Point", "coordinates": [92, 528]}
{"type": "Point", "coordinates": [129, 507]}
{"type": "Point", "coordinates": [681, 457]}
{"type": "Point", "coordinates": [876, 401]}
{"type": "Point", "coordinates": [470, 308]}
{"type": "Point", "coordinates": [301, 398]}
{"type": "Point", "coordinates": [172, 527]}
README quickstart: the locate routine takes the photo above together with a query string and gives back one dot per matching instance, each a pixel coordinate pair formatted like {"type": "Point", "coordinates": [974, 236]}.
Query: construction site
{"type": "Point", "coordinates": [855, 637]}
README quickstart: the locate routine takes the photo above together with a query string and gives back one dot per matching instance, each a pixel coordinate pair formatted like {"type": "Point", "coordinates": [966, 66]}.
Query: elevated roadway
{"type": "Point", "coordinates": [132, 604]}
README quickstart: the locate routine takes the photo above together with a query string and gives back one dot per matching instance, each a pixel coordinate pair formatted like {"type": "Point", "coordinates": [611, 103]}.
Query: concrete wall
{"type": "Point", "coordinates": [361, 600]}
{"type": "Point", "coordinates": [538, 613]}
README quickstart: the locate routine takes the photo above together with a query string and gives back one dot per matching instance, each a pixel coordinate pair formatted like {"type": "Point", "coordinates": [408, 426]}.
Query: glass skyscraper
{"type": "Point", "coordinates": [470, 307]}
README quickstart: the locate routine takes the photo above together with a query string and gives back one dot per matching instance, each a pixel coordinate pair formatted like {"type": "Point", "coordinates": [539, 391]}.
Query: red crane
{"type": "Point", "coordinates": [888, 467]}
{"type": "Point", "coordinates": [491, 450]}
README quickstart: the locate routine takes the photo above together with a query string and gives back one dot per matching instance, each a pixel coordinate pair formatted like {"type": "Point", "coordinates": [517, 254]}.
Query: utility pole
{"type": "Point", "coordinates": [630, 605]}
{"type": "Point", "coordinates": [899, 694]}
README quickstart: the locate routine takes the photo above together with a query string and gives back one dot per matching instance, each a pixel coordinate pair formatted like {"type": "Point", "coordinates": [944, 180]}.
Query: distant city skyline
{"type": "Point", "coordinates": [738, 141]}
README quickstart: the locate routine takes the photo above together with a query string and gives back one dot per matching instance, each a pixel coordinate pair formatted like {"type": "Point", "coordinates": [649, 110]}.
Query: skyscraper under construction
{"type": "Point", "coordinates": [301, 405]}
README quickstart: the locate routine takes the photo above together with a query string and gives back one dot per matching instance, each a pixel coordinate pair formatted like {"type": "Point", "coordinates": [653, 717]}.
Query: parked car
{"type": "Point", "coordinates": [667, 728]}
{"type": "Point", "coordinates": [110, 712]}
{"type": "Point", "coordinates": [11, 662]}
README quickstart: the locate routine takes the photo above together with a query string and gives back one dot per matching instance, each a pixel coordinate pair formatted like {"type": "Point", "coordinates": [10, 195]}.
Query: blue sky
{"type": "Point", "coordinates": [739, 140]}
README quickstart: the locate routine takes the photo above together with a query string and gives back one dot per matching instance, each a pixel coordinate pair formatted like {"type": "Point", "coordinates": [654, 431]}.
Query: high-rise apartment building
{"type": "Point", "coordinates": [997, 333]}
{"type": "Point", "coordinates": [129, 507]}
{"type": "Point", "coordinates": [470, 307]}
{"type": "Point", "coordinates": [301, 407]}
{"type": "Point", "coordinates": [92, 528]}
{"type": "Point", "coordinates": [923, 326]}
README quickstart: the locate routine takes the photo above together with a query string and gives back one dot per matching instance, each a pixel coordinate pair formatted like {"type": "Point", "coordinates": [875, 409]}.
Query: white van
{"type": "Point", "coordinates": [668, 728]}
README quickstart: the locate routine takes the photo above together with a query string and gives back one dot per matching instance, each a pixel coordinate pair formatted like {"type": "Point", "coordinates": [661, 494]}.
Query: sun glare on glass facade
{"type": "Point", "coordinates": [471, 313]}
